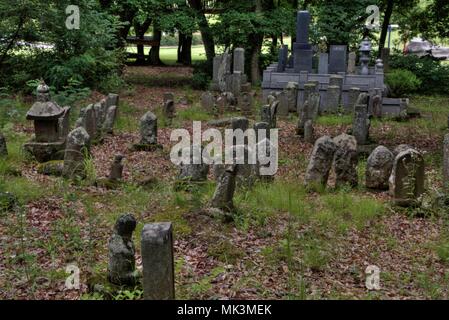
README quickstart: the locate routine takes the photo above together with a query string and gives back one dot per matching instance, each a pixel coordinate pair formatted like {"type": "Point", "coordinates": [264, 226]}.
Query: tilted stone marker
{"type": "Point", "coordinates": [3, 148]}
{"type": "Point", "coordinates": [320, 162]}
{"type": "Point", "coordinates": [122, 261]}
{"type": "Point", "coordinates": [78, 147]}
{"type": "Point", "coordinates": [407, 178]}
{"type": "Point", "coordinates": [224, 192]}
{"type": "Point", "coordinates": [345, 161]}
{"type": "Point", "coordinates": [378, 168]}
{"type": "Point", "coordinates": [158, 261]}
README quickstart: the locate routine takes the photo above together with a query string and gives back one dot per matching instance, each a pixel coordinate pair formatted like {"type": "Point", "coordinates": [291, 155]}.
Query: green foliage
{"type": "Point", "coordinates": [341, 21]}
{"type": "Point", "coordinates": [433, 75]}
{"type": "Point", "coordinates": [402, 82]}
{"type": "Point", "coordinates": [84, 55]}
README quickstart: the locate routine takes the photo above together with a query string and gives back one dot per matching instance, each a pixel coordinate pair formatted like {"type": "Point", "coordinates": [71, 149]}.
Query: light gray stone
{"type": "Point", "coordinates": [109, 122]}
{"type": "Point", "coordinates": [148, 129]}
{"type": "Point", "coordinates": [78, 147]}
{"type": "Point", "coordinates": [239, 60]}
{"type": "Point", "coordinates": [158, 261]}
{"type": "Point", "coordinates": [378, 168]}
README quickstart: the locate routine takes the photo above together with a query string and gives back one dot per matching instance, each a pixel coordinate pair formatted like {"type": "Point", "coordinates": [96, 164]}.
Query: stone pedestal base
{"type": "Point", "coordinates": [45, 151]}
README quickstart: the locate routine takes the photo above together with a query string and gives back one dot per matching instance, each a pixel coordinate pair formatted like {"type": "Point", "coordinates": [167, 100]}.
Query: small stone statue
{"type": "Point", "coordinates": [122, 262]}
{"type": "Point", "coordinates": [116, 168]}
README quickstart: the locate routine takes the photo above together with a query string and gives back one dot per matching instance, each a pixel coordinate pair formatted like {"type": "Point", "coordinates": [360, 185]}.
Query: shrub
{"type": "Point", "coordinates": [433, 74]}
{"type": "Point", "coordinates": [402, 82]}
{"type": "Point", "coordinates": [201, 75]}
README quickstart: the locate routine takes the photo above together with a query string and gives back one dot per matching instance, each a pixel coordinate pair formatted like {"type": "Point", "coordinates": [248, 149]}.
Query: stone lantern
{"type": "Point", "coordinates": [365, 50]}
{"type": "Point", "coordinates": [45, 114]}
{"type": "Point", "coordinates": [49, 141]}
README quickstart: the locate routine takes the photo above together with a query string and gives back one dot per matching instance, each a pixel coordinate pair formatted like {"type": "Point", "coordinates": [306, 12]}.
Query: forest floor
{"type": "Point", "coordinates": [284, 242]}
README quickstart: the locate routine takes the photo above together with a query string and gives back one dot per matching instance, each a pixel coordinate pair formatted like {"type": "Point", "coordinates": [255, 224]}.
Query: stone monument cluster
{"type": "Point", "coordinates": [230, 89]}
{"type": "Point", "coordinates": [53, 139]}
{"type": "Point", "coordinates": [402, 171]}
{"type": "Point", "coordinates": [338, 78]}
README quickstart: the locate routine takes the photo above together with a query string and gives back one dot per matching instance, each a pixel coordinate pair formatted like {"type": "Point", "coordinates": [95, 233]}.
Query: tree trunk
{"type": "Point", "coordinates": [141, 29]}
{"type": "Point", "coordinates": [385, 24]}
{"type": "Point", "coordinates": [256, 40]}
{"type": "Point", "coordinates": [206, 32]}
{"type": "Point", "coordinates": [185, 49]}
{"type": "Point", "coordinates": [155, 59]}
{"type": "Point", "coordinates": [274, 44]}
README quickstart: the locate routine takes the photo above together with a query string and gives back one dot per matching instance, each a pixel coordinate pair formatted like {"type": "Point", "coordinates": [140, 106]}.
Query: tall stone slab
{"type": "Point", "coordinates": [302, 50]}
{"type": "Point", "coordinates": [239, 60]}
{"type": "Point", "coordinates": [283, 58]}
{"type": "Point", "coordinates": [323, 63]}
{"type": "Point", "coordinates": [352, 66]}
{"type": "Point", "coordinates": [337, 58]}
{"type": "Point", "coordinates": [158, 261]}
{"type": "Point", "coordinates": [360, 127]}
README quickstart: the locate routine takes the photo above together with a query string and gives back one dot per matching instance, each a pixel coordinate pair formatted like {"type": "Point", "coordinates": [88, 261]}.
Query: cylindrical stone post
{"type": "Point", "coordinates": [158, 261]}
